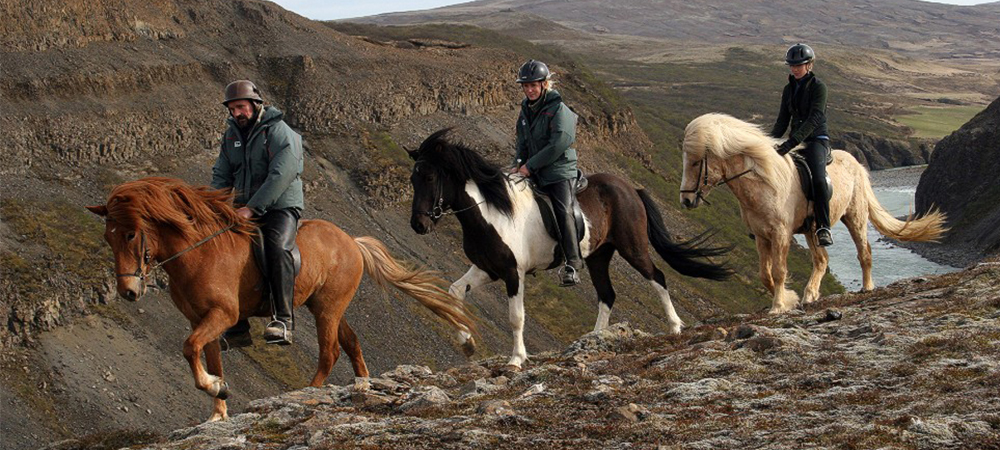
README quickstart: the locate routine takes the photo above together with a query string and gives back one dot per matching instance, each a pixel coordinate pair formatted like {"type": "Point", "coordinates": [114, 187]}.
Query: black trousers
{"type": "Point", "coordinates": [816, 152]}
{"type": "Point", "coordinates": [563, 198]}
{"type": "Point", "coordinates": [279, 227]}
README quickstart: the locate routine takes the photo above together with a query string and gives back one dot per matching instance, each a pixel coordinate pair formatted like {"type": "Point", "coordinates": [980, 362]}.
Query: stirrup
{"type": "Point", "coordinates": [276, 332]}
{"type": "Point", "coordinates": [569, 275]}
{"type": "Point", "coordinates": [824, 239]}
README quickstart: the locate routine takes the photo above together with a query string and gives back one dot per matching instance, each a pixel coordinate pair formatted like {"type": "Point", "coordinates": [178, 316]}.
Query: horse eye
{"type": "Point", "coordinates": [129, 237]}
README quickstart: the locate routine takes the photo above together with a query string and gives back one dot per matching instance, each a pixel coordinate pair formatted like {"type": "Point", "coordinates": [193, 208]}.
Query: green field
{"type": "Point", "coordinates": [937, 122]}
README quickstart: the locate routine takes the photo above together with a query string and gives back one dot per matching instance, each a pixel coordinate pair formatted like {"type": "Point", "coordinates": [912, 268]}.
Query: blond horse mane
{"type": "Point", "coordinates": [724, 136]}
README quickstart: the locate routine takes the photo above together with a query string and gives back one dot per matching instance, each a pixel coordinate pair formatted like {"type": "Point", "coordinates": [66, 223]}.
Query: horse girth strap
{"type": "Point", "coordinates": [145, 257]}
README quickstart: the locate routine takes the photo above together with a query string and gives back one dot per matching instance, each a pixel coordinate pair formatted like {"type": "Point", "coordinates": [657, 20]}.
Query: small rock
{"type": "Point", "coordinates": [534, 390]}
{"type": "Point", "coordinates": [426, 397]}
{"type": "Point", "coordinates": [830, 316]}
{"type": "Point", "coordinates": [630, 413]}
{"type": "Point", "coordinates": [599, 394]}
{"type": "Point", "coordinates": [495, 407]}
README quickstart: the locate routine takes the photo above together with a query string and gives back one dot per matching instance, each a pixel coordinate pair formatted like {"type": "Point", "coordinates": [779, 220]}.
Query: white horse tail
{"type": "Point", "coordinates": [928, 228]}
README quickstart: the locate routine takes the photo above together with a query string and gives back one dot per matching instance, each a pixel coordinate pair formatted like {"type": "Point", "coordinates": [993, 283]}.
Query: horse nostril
{"type": "Point", "coordinates": [130, 295]}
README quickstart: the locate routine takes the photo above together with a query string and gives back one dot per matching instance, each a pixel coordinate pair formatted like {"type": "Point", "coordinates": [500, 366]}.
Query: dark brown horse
{"type": "Point", "coordinates": [505, 238]}
{"type": "Point", "coordinates": [214, 284]}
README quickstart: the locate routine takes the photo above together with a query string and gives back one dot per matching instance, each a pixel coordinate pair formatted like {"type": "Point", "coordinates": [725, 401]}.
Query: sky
{"type": "Point", "coordinates": [345, 9]}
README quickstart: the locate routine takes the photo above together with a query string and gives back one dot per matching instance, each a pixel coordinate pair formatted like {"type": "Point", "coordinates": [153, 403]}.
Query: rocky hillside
{"type": "Point", "coordinates": [915, 365]}
{"type": "Point", "coordinates": [98, 92]}
{"type": "Point", "coordinates": [961, 180]}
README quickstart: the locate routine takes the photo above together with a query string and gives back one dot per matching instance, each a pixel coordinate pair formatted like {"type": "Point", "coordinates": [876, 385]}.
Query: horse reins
{"type": "Point", "coordinates": [439, 210]}
{"type": "Point", "coordinates": [703, 181]}
{"type": "Point", "coordinates": [146, 257]}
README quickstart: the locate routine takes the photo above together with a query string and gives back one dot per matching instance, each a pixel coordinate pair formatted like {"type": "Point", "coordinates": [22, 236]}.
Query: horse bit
{"type": "Point", "coordinates": [703, 181]}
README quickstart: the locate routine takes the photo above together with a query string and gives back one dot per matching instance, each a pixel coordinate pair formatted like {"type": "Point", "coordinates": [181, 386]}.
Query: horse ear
{"type": "Point", "coordinates": [100, 210]}
{"type": "Point", "coordinates": [413, 153]}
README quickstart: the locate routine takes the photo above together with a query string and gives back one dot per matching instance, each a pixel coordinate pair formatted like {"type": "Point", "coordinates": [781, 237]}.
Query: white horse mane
{"type": "Point", "coordinates": [725, 136]}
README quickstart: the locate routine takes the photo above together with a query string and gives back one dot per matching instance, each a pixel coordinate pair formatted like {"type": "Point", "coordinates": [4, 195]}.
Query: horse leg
{"type": "Point", "coordinates": [328, 317]}
{"type": "Point", "coordinates": [349, 341]}
{"type": "Point", "coordinates": [638, 258]}
{"type": "Point", "coordinates": [764, 253]}
{"type": "Point", "coordinates": [472, 279]}
{"type": "Point", "coordinates": [515, 304]}
{"type": "Point", "coordinates": [597, 265]}
{"type": "Point", "coordinates": [203, 333]}
{"type": "Point", "coordinates": [857, 225]}
{"type": "Point", "coordinates": [784, 299]}
{"type": "Point", "coordinates": [213, 359]}
{"type": "Point", "coordinates": [819, 263]}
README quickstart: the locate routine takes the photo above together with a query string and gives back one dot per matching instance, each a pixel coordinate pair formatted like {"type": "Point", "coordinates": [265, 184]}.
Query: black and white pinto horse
{"type": "Point", "coordinates": [505, 238]}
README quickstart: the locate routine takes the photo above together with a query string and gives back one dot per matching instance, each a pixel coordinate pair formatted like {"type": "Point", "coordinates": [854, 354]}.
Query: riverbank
{"type": "Point", "coordinates": [904, 180]}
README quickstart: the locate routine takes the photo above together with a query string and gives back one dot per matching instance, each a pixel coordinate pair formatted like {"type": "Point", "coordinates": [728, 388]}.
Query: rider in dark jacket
{"type": "Point", "coordinates": [546, 130]}
{"type": "Point", "coordinates": [803, 103]}
{"type": "Point", "coordinates": [261, 159]}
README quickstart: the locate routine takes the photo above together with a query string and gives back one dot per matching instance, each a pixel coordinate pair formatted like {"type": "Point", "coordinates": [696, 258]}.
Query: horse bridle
{"type": "Point", "coordinates": [145, 257]}
{"type": "Point", "coordinates": [702, 182]}
{"type": "Point", "coordinates": [439, 209]}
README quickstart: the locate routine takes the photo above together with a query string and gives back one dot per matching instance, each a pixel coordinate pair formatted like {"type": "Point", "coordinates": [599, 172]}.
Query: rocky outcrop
{"type": "Point", "coordinates": [961, 180]}
{"type": "Point", "coordinates": [879, 153]}
{"type": "Point", "coordinates": [913, 365]}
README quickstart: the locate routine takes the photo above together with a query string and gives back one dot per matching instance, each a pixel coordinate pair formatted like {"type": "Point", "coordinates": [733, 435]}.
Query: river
{"type": "Point", "coordinates": [895, 189]}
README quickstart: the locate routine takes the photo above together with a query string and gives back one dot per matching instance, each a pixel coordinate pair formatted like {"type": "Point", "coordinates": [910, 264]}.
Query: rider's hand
{"type": "Point", "coordinates": [523, 170]}
{"type": "Point", "coordinates": [244, 212]}
{"type": "Point", "coordinates": [785, 147]}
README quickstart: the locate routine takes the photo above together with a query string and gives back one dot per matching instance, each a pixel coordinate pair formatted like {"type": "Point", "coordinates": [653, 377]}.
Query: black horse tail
{"type": "Point", "coordinates": [683, 257]}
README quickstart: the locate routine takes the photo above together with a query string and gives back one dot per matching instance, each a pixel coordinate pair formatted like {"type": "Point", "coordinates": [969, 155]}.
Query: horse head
{"type": "Point", "coordinates": [433, 183]}
{"type": "Point", "coordinates": [131, 245]}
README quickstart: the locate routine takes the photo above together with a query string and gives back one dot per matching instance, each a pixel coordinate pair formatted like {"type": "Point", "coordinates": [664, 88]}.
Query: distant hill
{"type": "Point", "coordinates": [906, 26]}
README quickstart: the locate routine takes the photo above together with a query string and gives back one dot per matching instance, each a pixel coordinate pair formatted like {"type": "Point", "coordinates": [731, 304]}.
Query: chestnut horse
{"type": "Point", "coordinates": [204, 247]}
{"type": "Point", "coordinates": [721, 149]}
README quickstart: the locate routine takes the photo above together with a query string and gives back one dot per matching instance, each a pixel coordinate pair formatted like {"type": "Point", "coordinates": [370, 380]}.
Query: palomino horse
{"type": "Point", "coordinates": [720, 149]}
{"type": "Point", "coordinates": [156, 221]}
{"type": "Point", "coordinates": [505, 238]}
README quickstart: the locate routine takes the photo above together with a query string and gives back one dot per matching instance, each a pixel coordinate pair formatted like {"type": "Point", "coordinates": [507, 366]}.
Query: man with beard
{"type": "Point", "coordinates": [261, 160]}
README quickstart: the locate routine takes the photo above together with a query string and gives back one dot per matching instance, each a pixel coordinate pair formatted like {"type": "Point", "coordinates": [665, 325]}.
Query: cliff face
{"type": "Point", "coordinates": [879, 153]}
{"type": "Point", "coordinates": [913, 365]}
{"type": "Point", "coordinates": [961, 180]}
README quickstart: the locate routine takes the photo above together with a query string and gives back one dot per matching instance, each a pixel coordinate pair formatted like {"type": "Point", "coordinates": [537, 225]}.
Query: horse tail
{"type": "Point", "coordinates": [682, 257]}
{"type": "Point", "coordinates": [928, 228]}
{"type": "Point", "coordinates": [423, 285]}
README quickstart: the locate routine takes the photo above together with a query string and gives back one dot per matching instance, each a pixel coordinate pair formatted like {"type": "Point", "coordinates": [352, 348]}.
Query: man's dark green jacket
{"type": "Point", "coordinates": [264, 169]}
{"type": "Point", "coordinates": [545, 135]}
{"type": "Point", "coordinates": [805, 108]}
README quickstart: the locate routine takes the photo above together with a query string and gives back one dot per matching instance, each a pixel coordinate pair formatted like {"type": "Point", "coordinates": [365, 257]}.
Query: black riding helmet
{"type": "Point", "coordinates": [799, 54]}
{"type": "Point", "coordinates": [533, 71]}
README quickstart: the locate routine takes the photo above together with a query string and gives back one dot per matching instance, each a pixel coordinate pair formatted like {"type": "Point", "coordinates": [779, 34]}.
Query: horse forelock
{"type": "Point", "coordinates": [460, 161]}
{"type": "Point", "coordinates": [191, 211]}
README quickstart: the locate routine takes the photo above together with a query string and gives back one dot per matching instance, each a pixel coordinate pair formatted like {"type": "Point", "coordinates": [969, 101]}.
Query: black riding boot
{"type": "Point", "coordinates": [563, 198]}
{"type": "Point", "coordinates": [816, 152]}
{"type": "Point", "coordinates": [279, 227]}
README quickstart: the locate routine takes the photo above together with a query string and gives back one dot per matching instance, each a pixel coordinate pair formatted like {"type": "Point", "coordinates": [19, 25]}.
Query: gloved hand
{"type": "Point", "coordinates": [785, 147]}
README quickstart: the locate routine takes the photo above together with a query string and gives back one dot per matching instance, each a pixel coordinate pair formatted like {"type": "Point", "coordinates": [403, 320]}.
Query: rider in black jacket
{"type": "Point", "coordinates": [803, 103]}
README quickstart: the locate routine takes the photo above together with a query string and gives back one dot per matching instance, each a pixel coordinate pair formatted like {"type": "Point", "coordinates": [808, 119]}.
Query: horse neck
{"type": "Point", "coordinates": [170, 243]}
{"type": "Point", "coordinates": [473, 218]}
{"type": "Point", "coordinates": [752, 191]}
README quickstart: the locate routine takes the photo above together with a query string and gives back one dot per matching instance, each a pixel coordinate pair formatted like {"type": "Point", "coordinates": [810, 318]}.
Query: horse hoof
{"type": "Point", "coordinates": [223, 391]}
{"type": "Point", "coordinates": [469, 348]}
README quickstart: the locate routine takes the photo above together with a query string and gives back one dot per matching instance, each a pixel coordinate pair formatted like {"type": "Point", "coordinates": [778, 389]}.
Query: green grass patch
{"type": "Point", "coordinates": [938, 121]}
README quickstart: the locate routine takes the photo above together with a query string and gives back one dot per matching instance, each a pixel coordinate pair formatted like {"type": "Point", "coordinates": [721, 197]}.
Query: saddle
{"type": "Point", "coordinates": [549, 215]}
{"type": "Point", "coordinates": [805, 181]}
{"type": "Point", "coordinates": [257, 243]}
